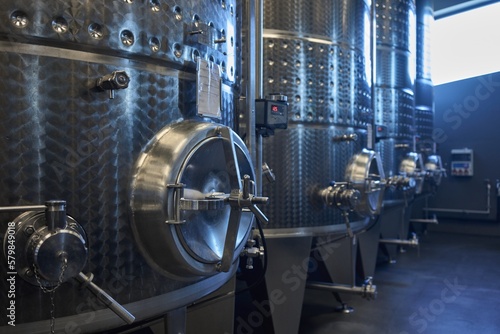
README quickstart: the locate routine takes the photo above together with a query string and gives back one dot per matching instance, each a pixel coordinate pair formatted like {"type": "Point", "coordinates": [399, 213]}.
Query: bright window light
{"type": "Point", "coordinates": [466, 45]}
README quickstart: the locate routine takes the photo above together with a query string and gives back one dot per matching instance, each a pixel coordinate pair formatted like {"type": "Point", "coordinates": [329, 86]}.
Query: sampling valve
{"type": "Point", "coordinates": [400, 182]}
{"type": "Point", "coordinates": [113, 81]}
{"type": "Point", "coordinates": [340, 195]}
{"type": "Point", "coordinates": [50, 249]}
{"type": "Point", "coordinates": [252, 251]}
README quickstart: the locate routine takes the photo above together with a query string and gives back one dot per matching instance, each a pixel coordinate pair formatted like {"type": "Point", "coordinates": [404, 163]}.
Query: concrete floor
{"type": "Point", "coordinates": [451, 285]}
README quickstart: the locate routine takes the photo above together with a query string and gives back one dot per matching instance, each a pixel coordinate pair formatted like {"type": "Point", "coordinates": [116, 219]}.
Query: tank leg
{"type": "Point", "coordinates": [213, 316]}
{"type": "Point", "coordinates": [175, 321]}
{"type": "Point", "coordinates": [286, 281]}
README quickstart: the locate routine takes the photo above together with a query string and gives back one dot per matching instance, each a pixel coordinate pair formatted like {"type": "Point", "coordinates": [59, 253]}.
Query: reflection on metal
{"type": "Point", "coordinates": [412, 167]}
{"type": "Point", "coordinates": [424, 87]}
{"type": "Point", "coordinates": [325, 70]}
{"type": "Point", "coordinates": [366, 174]}
{"type": "Point", "coordinates": [395, 79]}
{"type": "Point", "coordinates": [63, 139]}
{"type": "Point", "coordinates": [339, 195]}
{"type": "Point", "coordinates": [434, 170]}
{"type": "Point", "coordinates": [204, 162]}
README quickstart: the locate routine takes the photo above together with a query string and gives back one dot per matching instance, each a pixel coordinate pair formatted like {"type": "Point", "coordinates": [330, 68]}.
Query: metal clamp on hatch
{"type": "Point", "coordinates": [193, 199]}
{"type": "Point", "coordinates": [365, 174]}
{"type": "Point", "coordinates": [412, 168]}
{"type": "Point", "coordinates": [362, 192]}
{"type": "Point", "coordinates": [51, 249]}
{"type": "Point", "coordinates": [434, 169]}
{"type": "Point", "coordinates": [400, 182]}
{"type": "Point", "coordinates": [343, 197]}
{"type": "Point", "coordinates": [240, 197]}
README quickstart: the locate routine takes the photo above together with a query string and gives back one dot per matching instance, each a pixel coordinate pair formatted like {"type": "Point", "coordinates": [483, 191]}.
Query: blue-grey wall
{"type": "Point", "coordinates": [468, 116]}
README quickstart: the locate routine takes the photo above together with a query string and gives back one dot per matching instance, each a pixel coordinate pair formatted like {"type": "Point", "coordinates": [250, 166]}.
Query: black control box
{"type": "Point", "coordinates": [270, 114]}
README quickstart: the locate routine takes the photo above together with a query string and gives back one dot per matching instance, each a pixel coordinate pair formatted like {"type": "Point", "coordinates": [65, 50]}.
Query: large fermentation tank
{"type": "Point", "coordinates": [395, 81]}
{"type": "Point", "coordinates": [424, 88]}
{"type": "Point", "coordinates": [318, 54]}
{"type": "Point", "coordinates": [119, 163]}
{"type": "Point", "coordinates": [424, 97]}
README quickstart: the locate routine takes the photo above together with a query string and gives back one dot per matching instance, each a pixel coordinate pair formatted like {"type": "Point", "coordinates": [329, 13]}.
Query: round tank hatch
{"type": "Point", "coordinates": [434, 169]}
{"type": "Point", "coordinates": [365, 173]}
{"type": "Point", "coordinates": [180, 214]}
{"type": "Point", "coordinates": [411, 166]}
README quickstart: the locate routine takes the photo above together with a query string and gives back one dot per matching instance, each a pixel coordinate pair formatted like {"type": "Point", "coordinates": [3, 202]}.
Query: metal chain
{"type": "Point", "coordinates": [52, 290]}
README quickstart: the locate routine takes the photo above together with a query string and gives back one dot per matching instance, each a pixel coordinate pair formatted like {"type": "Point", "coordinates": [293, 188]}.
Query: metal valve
{"type": "Point", "coordinates": [352, 137]}
{"type": "Point", "coordinates": [251, 252]}
{"type": "Point", "coordinates": [400, 182]}
{"type": "Point", "coordinates": [113, 81]}
{"type": "Point", "coordinates": [51, 248]}
{"type": "Point", "coordinates": [245, 199]}
{"type": "Point", "coordinates": [341, 196]}
{"type": "Point", "coordinates": [268, 173]}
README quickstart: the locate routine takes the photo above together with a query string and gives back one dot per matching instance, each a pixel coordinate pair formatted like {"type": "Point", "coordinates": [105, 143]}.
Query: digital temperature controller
{"type": "Point", "coordinates": [270, 114]}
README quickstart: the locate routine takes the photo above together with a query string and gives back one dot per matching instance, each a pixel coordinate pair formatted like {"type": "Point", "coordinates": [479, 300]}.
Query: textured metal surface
{"type": "Point", "coordinates": [366, 174]}
{"type": "Point", "coordinates": [146, 21]}
{"type": "Point", "coordinates": [395, 110]}
{"type": "Point", "coordinates": [305, 160]}
{"type": "Point", "coordinates": [425, 21]}
{"type": "Point", "coordinates": [318, 54]}
{"type": "Point", "coordinates": [424, 122]}
{"type": "Point", "coordinates": [392, 153]}
{"type": "Point", "coordinates": [394, 87]}
{"type": "Point", "coordinates": [395, 21]}
{"type": "Point", "coordinates": [61, 139]}
{"type": "Point", "coordinates": [424, 89]}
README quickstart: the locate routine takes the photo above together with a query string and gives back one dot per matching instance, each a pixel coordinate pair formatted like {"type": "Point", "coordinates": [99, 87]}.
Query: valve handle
{"type": "Point", "coordinates": [106, 299]}
{"type": "Point", "coordinates": [239, 198]}
{"type": "Point", "coordinates": [113, 81]}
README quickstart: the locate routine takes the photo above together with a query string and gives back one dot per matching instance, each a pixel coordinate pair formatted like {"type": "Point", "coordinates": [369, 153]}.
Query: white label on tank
{"type": "Point", "coordinates": [208, 83]}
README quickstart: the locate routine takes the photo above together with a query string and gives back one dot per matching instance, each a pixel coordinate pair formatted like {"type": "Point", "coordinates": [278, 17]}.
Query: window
{"type": "Point", "coordinates": [466, 45]}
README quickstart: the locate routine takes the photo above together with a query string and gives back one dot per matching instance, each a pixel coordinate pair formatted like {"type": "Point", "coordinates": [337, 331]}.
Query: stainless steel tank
{"type": "Point", "coordinates": [394, 105]}
{"type": "Point", "coordinates": [424, 88]}
{"type": "Point", "coordinates": [424, 96]}
{"type": "Point", "coordinates": [100, 111]}
{"type": "Point", "coordinates": [318, 54]}
{"type": "Point", "coordinates": [395, 81]}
